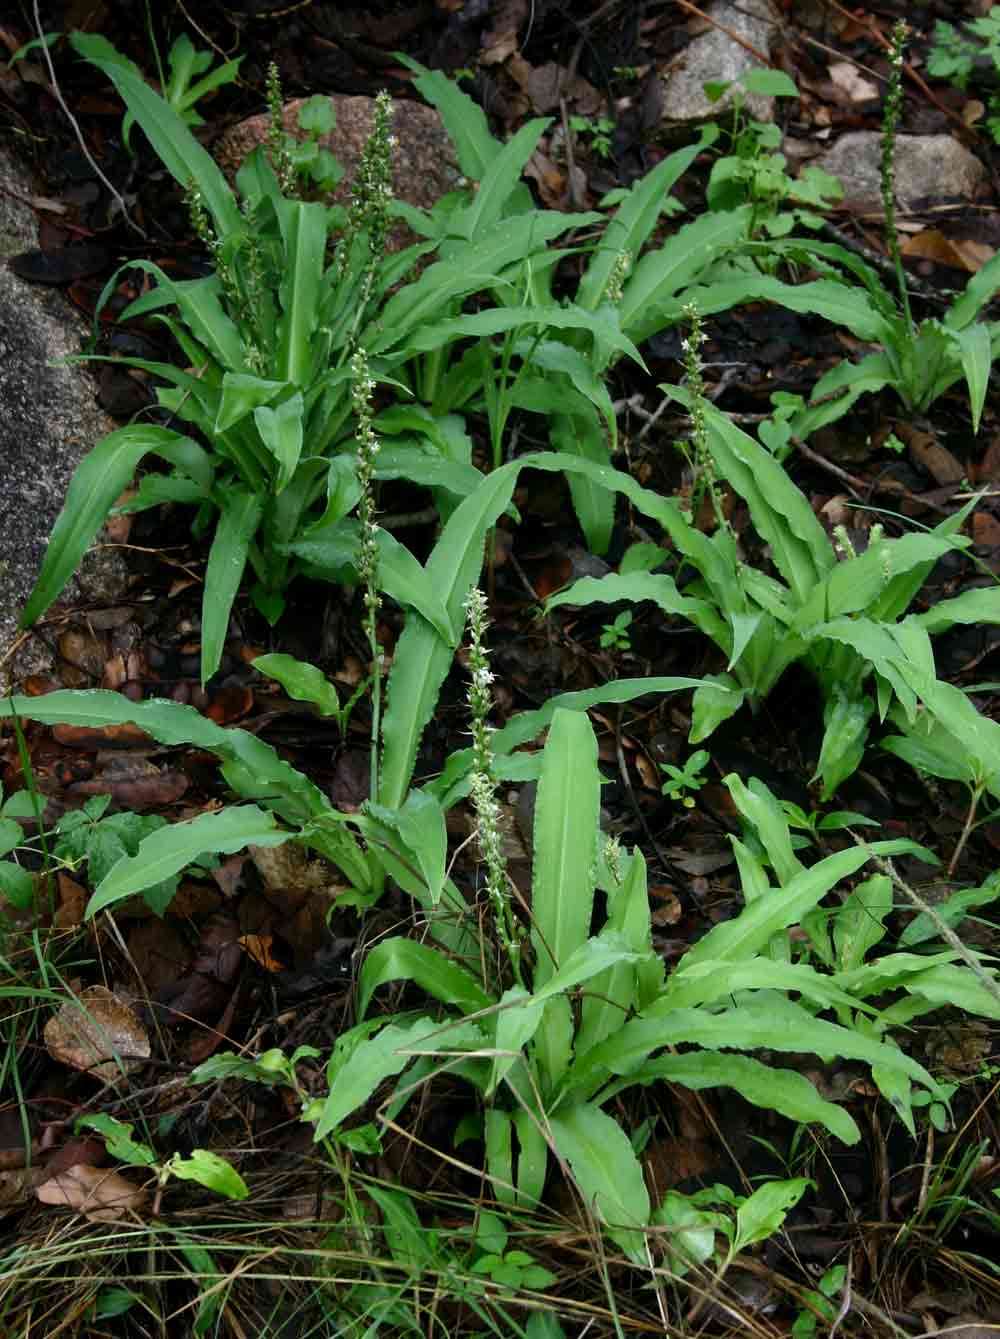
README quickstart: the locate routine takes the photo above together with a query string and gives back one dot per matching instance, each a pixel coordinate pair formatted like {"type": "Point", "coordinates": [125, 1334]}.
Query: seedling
{"type": "Point", "coordinates": [956, 55]}
{"type": "Point", "coordinates": [753, 171]}
{"type": "Point", "coordinates": [684, 781]}
{"type": "Point", "coordinates": [598, 129]}
{"type": "Point", "coordinates": [203, 1166]}
{"type": "Point", "coordinates": [615, 636]}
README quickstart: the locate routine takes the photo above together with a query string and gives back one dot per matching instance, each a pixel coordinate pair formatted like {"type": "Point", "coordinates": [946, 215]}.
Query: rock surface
{"type": "Point", "coordinates": [929, 168]}
{"type": "Point", "coordinates": [715, 55]}
{"type": "Point", "coordinates": [49, 418]}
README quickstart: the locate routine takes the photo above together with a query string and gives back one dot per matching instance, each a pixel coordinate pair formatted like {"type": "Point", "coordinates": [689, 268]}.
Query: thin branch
{"type": "Point", "coordinates": [57, 93]}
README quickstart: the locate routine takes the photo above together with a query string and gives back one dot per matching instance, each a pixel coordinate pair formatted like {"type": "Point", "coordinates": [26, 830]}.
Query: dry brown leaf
{"type": "Point", "coordinates": [135, 783]}
{"type": "Point", "coordinates": [99, 1194]}
{"type": "Point", "coordinates": [127, 736]}
{"type": "Point", "coordinates": [72, 902]}
{"type": "Point", "coordinates": [501, 40]}
{"type": "Point", "coordinates": [84, 650]}
{"type": "Point", "coordinates": [960, 253]}
{"type": "Point", "coordinates": [985, 530]}
{"type": "Point", "coordinates": [260, 949]}
{"type": "Point", "coordinates": [927, 451]}
{"type": "Point", "coordinates": [99, 1033]}
{"type": "Point", "coordinates": [665, 908]}
{"type": "Point", "coordinates": [849, 79]}
{"type": "Point", "coordinates": [17, 1186]}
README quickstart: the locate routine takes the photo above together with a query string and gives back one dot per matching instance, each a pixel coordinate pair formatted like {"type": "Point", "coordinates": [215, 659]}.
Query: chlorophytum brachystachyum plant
{"type": "Point", "coordinates": [919, 360]}
{"type": "Point", "coordinates": [269, 337]}
{"type": "Point", "coordinates": [842, 615]}
{"type": "Point", "coordinates": [270, 334]}
{"type": "Point", "coordinates": [589, 1015]}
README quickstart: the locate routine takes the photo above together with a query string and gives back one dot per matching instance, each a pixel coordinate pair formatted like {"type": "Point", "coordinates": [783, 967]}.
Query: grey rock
{"type": "Point", "coordinates": [928, 168]}
{"type": "Point", "coordinates": [713, 56]}
{"type": "Point", "coordinates": [48, 419]}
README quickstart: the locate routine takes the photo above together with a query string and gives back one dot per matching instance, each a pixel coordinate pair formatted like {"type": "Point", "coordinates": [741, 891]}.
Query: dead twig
{"type": "Point", "coordinates": [57, 94]}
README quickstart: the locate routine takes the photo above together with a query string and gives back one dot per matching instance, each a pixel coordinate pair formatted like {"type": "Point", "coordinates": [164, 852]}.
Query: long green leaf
{"type": "Point", "coordinates": [567, 811]}
{"type": "Point", "coordinates": [301, 680]}
{"type": "Point", "coordinates": [292, 795]}
{"type": "Point", "coordinates": [580, 433]}
{"type": "Point", "coordinates": [606, 1169]}
{"type": "Point", "coordinates": [407, 960]}
{"type": "Point", "coordinates": [781, 1090]}
{"type": "Point", "coordinates": [655, 282]}
{"type": "Point", "coordinates": [281, 432]}
{"type": "Point", "coordinates": [239, 517]}
{"type": "Point", "coordinates": [976, 353]}
{"type": "Point", "coordinates": [635, 218]}
{"type": "Point", "coordinates": [171, 849]}
{"type": "Point", "coordinates": [708, 981]}
{"type": "Point", "coordinates": [304, 228]}
{"type": "Point", "coordinates": [422, 658]}
{"type": "Point", "coordinates": [773, 1024]}
{"type": "Point", "coordinates": [624, 985]}
{"type": "Point", "coordinates": [837, 302]}
{"type": "Point", "coordinates": [501, 176]}
{"type": "Point", "coordinates": [463, 119]}
{"type": "Point", "coordinates": [746, 935]}
{"type": "Point", "coordinates": [379, 1058]}
{"type": "Point", "coordinates": [527, 725]}
{"type": "Point", "coordinates": [562, 884]}
{"type": "Point", "coordinates": [178, 150]}
{"type": "Point", "coordinates": [495, 320]}
{"type": "Point", "coordinates": [978, 291]}
{"type": "Point", "coordinates": [100, 478]}
{"type": "Point", "coordinates": [781, 512]}
{"type": "Point", "coordinates": [636, 587]}
{"type": "Point", "coordinates": [472, 266]}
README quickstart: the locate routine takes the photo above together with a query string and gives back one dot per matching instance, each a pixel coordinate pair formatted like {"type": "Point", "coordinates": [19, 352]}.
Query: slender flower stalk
{"type": "Point", "coordinates": [362, 390]}
{"type": "Point", "coordinates": [277, 144]}
{"type": "Point", "coordinates": [371, 197]}
{"type": "Point", "coordinates": [482, 784]}
{"type": "Point", "coordinates": [701, 457]}
{"type": "Point", "coordinates": [890, 124]}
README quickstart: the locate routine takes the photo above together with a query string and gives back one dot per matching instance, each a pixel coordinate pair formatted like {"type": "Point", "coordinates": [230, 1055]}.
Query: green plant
{"type": "Point", "coordinates": [16, 884]}
{"type": "Point", "coordinates": [206, 1168]}
{"type": "Point", "coordinates": [694, 1222]}
{"type": "Point", "coordinates": [271, 335]}
{"type": "Point", "coordinates": [840, 613]}
{"type": "Point", "coordinates": [684, 781]}
{"type": "Point", "coordinates": [272, 332]}
{"type": "Point", "coordinates": [820, 1303]}
{"type": "Point", "coordinates": [840, 939]}
{"type": "Point", "coordinates": [88, 836]}
{"type": "Point", "coordinates": [182, 88]}
{"type": "Point", "coordinates": [598, 129]}
{"type": "Point", "coordinates": [94, 838]}
{"type": "Point", "coordinates": [752, 172]}
{"type": "Point", "coordinates": [812, 824]}
{"type": "Point", "coordinates": [920, 361]}
{"type": "Point", "coordinates": [615, 635]}
{"type": "Point", "coordinates": [956, 55]}
{"type": "Point", "coordinates": [545, 1065]}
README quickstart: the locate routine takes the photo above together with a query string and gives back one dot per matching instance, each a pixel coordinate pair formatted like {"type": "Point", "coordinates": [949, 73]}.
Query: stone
{"type": "Point", "coordinates": [49, 419]}
{"type": "Point", "coordinates": [714, 56]}
{"type": "Point", "coordinates": [929, 169]}
{"type": "Point", "coordinates": [425, 165]}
